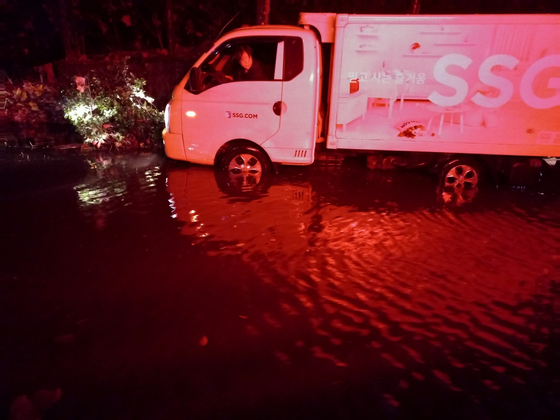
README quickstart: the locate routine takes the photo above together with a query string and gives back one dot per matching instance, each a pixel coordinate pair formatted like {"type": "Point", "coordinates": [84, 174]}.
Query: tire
{"type": "Point", "coordinates": [459, 180]}
{"type": "Point", "coordinates": [245, 169]}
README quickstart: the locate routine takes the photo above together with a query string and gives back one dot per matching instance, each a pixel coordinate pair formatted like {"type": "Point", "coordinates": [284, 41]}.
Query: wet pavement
{"type": "Point", "coordinates": [133, 287]}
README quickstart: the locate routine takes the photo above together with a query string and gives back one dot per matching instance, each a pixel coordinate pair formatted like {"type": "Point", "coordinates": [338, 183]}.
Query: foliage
{"type": "Point", "coordinates": [33, 103]}
{"type": "Point", "coordinates": [34, 114]}
{"type": "Point", "coordinates": [112, 109]}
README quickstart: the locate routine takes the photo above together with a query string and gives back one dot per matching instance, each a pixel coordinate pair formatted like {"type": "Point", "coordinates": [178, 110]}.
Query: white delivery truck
{"type": "Point", "coordinates": [456, 94]}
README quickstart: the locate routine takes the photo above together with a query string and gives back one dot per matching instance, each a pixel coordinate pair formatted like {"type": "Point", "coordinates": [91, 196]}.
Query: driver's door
{"type": "Point", "coordinates": [226, 109]}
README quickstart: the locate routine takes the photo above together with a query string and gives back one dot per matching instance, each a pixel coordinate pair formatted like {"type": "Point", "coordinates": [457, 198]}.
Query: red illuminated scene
{"type": "Point", "coordinates": [280, 210]}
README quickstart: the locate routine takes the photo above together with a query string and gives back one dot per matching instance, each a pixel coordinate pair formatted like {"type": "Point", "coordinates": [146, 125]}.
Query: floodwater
{"type": "Point", "coordinates": [138, 288]}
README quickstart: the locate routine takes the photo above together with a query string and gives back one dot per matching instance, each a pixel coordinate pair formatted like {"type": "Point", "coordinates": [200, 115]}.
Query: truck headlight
{"type": "Point", "coordinates": [166, 116]}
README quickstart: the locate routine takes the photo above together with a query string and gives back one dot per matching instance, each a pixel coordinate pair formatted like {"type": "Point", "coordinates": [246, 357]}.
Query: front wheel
{"type": "Point", "coordinates": [245, 167]}
{"type": "Point", "coordinates": [459, 180]}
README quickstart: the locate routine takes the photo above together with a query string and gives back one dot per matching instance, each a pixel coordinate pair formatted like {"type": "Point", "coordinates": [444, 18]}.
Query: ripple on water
{"type": "Point", "coordinates": [429, 292]}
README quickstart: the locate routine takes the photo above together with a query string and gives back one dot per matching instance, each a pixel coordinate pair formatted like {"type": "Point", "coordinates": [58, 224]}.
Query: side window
{"type": "Point", "coordinates": [239, 60]}
{"type": "Point", "coordinates": [255, 61]}
{"type": "Point", "coordinates": [293, 57]}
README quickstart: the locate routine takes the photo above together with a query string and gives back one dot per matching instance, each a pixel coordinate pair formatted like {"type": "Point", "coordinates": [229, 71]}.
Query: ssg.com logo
{"type": "Point", "coordinates": [241, 115]}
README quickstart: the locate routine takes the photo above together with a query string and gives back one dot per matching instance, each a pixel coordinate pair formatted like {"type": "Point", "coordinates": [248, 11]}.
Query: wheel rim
{"type": "Point", "coordinates": [246, 169]}
{"type": "Point", "coordinates": [460, 184]}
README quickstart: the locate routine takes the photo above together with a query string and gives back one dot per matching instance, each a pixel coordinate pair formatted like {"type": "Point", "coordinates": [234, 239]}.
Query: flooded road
{"type": "Point", "coordinates": [139, 288]}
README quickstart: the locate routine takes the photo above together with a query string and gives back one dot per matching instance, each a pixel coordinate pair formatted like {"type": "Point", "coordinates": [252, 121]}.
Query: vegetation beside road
{"type": "Point", "coordinates": [106, 107]}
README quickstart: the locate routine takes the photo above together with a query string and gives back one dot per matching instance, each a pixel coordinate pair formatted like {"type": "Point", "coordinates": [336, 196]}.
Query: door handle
{"type": "Point", "coordinates": [279, 107]}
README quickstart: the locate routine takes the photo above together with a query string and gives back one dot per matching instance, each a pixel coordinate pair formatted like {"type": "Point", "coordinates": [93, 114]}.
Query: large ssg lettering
{"type": "Point", "coordinates": [504, 86]}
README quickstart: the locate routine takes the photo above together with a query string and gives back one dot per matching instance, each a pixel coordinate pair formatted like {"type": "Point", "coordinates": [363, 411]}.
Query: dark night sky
{"type": "Point", "coordinates": [34, 34]}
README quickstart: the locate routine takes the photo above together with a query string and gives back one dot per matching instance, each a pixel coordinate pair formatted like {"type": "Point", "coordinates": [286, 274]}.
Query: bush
{"type": "Point", "coordinates": [33, 103]}
{"type": "Point", "coordinates": [112, 110]}
{"type": "Point", "coordinates": [34, 115]}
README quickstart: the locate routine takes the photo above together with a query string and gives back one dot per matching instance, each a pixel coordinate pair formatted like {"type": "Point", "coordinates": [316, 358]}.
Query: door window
{"type": "Point", "coordinates": [251, 59]}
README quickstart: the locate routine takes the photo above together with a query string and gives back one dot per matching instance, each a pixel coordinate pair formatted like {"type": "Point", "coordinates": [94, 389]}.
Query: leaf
{"type": "Point", "coordinates": [126, 20]}
{"type": "Point", "coordinates": [24, 409]}
{"type": "Point", "coordinates": [21, 94]}
{"type": "Point", "coordinates": [46, 398]}
{"type": "Point", "coordinates": [39, 90]}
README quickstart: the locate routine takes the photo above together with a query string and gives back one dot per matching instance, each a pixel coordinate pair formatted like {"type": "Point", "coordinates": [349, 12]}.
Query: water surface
{"type": "Point", "coordinates": [144, 288]}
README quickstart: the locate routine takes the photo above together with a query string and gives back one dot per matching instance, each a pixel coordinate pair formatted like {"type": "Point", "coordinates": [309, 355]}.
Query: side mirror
{"type": "Point", "coordinates": [194, 80]}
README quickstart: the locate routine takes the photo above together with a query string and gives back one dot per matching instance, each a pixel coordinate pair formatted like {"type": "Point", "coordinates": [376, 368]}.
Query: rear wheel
{"type": "Point", "coordinates": [459, 181]}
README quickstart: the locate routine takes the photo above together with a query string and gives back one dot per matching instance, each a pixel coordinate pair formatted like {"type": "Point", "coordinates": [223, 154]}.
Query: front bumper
{"type": "Point", "coordinates": [173, 144]}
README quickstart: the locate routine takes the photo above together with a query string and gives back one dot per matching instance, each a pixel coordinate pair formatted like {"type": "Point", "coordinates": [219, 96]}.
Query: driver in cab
{"type": "Point", "coordinates": [247, 68]}
{"type": "Point", "coordinates": [241, 66]}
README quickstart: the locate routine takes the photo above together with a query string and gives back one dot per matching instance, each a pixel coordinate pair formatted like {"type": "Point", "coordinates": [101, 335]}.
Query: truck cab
{"type": "Point", "coordinates": [219, 116]}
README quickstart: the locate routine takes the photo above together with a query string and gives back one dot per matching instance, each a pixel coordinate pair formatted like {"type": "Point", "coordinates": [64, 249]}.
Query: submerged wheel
{"type": "Point", "coordinates": [245, 167]}
{"type": "Point", "coordinates": [459, 180]}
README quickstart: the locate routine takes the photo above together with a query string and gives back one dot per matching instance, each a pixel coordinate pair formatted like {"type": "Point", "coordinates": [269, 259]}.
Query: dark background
{"type": "Point", "coordinates": [44, 31]}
